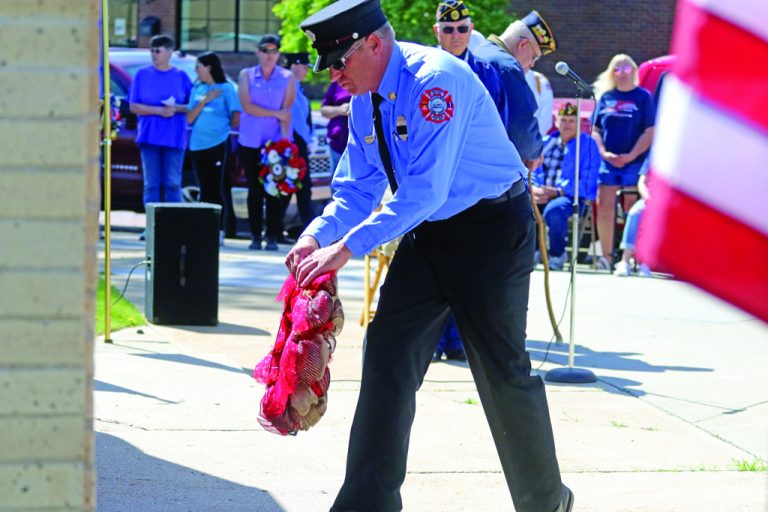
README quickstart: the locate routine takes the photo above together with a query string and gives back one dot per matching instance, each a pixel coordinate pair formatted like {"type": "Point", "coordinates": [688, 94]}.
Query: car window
{"type": "Point", "coordinates": [117, 89]}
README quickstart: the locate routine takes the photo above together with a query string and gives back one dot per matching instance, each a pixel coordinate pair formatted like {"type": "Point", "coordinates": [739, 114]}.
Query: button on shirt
{"type": "Point", "coordinates": [449, 150]}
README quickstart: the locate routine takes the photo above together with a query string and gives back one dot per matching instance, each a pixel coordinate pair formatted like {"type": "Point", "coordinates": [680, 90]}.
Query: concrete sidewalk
{"type": "Point", "coordinates": [681, 399]}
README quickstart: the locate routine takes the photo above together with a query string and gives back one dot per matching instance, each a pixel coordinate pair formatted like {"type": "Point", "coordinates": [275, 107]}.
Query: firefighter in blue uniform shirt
{"type": "Point", "coordinates": [513, 53]}
{"type": "Point", "coordinates": [461, 204]}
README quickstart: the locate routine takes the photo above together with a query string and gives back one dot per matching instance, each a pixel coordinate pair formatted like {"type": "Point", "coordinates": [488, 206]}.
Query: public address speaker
{"type": "Point", "coordinates": [182, 278]}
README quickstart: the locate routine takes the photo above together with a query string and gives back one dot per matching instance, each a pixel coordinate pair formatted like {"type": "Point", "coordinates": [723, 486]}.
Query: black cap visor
{"type": "Point", "coordinates": [324, 61]}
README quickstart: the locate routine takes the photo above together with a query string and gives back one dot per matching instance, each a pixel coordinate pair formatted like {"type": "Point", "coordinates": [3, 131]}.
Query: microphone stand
{"type": "Point", "coordinates": [571, 374]}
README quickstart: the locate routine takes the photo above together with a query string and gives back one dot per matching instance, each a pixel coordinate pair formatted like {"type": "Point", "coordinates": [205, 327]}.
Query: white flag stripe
{"type": "Point", "coordinates": [749, 14]}
{"type": "Point", "coordinates": [711, 156]}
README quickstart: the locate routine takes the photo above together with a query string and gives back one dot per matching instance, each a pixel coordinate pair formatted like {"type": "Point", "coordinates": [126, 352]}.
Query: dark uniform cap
{"type": "Point", "coordinates": [541, 32]}
{"type": "Point", "coordinates": [334, 29]}
{"type": "Point", "coordinates": [296, 58]}
{"type": "Point", "coordinates": [451, 10]}
{"type": "Point", "coordinates": [269, 39]}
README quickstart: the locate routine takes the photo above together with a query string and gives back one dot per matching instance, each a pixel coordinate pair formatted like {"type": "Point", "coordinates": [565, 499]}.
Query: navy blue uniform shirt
{"type": "Point", "coordinates": [517, 107]}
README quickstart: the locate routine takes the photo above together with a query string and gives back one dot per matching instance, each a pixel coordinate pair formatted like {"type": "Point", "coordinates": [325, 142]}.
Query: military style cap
{"type": "Point", "coordinates": [334, 29]}
{"type": "Point", "coordinates": [569, 109]}
{"type": "Point", "coordinates": [296, 58]}
{"type": "Point", "coordinates": [451, 10]}
{"type": "Point", "coordinates": [541, 32]}
{"type": "Point", "coordinates": [269, 39]}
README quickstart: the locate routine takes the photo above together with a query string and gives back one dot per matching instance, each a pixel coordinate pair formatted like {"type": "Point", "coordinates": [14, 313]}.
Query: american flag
{"type": "Point", "coordinates": [707, 220]}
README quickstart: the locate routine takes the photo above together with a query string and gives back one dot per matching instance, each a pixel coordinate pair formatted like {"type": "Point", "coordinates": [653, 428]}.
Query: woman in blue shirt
{"type": "Point", "coordinates": [623, 130]}
{"type": "Point", "coordinates": [214, 108]}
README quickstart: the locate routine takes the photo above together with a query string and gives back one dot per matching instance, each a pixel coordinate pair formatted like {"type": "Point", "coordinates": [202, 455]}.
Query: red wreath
{"type": "Point", "coordinates": [282, 168]}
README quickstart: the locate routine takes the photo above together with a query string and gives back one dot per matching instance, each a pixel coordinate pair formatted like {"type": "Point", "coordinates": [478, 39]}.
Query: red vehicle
{"type": "Point", "coordinates": [127, 176]}
{"type": "Point", "coordinates": [651, 71]}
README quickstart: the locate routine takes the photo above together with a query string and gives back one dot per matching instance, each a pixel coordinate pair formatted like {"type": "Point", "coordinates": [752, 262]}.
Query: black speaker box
{"type": "Point", "coordinates": [182, 278]}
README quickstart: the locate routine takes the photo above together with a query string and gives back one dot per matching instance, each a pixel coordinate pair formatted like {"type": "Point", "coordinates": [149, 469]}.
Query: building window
{"type": "Point", "coordinates": [122, 22]}
{"type": "Point", "coordinates": [226, 25]}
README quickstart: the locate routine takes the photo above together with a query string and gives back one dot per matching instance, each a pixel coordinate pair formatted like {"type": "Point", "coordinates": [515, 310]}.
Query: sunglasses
{"type": "Point", "coordinates": [158, 49]}
{"type": "Point", "coordinates": [267, 50]}
{"type": "Point", "coordinates": [340, 64]}
{"type": "Point", "coordinates": [626, 68]}
{"type": "Point", "coordinates": [463, 29]}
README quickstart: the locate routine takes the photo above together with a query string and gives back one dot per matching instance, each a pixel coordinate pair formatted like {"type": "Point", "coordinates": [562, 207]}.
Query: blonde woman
{"type": "Point", "coordinates": [623, 130]}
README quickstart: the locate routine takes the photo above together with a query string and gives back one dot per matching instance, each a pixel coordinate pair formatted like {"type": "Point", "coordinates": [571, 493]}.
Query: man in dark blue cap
{"type": "Point", "coordinates": [301, 117]}
{"type": "Point", "coordinates": [513, 53]}
{"type": "Point", "coordinates": [468, 240]}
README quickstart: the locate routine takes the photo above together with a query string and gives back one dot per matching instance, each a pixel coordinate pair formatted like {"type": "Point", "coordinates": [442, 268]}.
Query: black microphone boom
{"type": "Point", "coordinates": [563, 69]}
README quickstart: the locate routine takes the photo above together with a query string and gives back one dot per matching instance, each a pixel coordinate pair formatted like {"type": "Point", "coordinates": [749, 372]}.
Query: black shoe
{"type": "Point", "coordinates": [456, 355]}
{"type": "Point", "coordinates": [271, 245]}
{"type": "Point", "coordinates": [437, 357]}
{"type": "Point", "coordinates": [255, 244]}
{"type": "Point", "coordinates": [282, 239]}
{"type": "Point", "coordinates": [566, 502]}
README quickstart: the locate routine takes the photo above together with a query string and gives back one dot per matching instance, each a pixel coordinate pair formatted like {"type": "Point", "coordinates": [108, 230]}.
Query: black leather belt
{"type": "Point", "coordinates": [515, 190]}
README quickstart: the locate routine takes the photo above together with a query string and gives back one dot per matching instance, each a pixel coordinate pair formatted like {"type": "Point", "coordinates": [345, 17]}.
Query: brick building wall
{"type": "Point", "coordinates": [589, 33]}
{"type": "Point", "coordinates": [48, 229]}
{"type": "Point", "coordinates": [166, 11]}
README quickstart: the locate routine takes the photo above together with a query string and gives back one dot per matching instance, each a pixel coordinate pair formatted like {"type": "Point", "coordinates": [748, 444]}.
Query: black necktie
{"type": "Point", "coordinates": [386, 158]}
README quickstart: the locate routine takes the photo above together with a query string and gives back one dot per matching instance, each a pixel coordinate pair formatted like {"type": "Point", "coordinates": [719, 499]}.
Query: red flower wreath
{"type": "Point", "coordinates": [282, 168]}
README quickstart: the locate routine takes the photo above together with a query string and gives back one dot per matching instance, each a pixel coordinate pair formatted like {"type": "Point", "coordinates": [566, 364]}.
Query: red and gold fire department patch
{"type": "Point", "coordinates": [436, 105]}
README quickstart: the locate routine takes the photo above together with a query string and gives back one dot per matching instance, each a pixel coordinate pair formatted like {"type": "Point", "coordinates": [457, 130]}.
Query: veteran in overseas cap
{"type": "Point", "coordinates": [451, 10]}
{"type": "Point", "coordinates": [336, 28]}
{"type": "Point", "coordinates": [541, 31]}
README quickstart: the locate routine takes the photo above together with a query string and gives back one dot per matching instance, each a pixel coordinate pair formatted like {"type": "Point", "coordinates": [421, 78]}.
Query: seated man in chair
{"type": "Point", "coordinates": [554, 181]}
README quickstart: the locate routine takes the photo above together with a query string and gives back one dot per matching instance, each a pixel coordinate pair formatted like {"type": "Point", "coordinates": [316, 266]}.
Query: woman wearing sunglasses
{"type": "Point", "coordinates": [266, 93]}
{"type": "Point", "coordinates": [623, 130]}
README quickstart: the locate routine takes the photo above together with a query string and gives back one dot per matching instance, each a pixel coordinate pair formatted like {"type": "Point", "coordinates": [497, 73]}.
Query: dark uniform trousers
{"type": "Point", "coordinates": [478, 263]}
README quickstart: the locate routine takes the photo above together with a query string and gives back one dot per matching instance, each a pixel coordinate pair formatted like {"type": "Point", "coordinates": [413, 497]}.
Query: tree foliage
{"type": "Point", "coordinates": [411, 19]}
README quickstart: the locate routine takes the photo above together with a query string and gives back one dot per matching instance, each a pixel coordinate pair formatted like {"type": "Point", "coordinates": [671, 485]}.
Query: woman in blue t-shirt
{"type": "Point", "coordinates": [623, 130]}
{"type": "Point", "coordinates": [159, 96]}
{"type": "Point", "coordinates": [214, 109]}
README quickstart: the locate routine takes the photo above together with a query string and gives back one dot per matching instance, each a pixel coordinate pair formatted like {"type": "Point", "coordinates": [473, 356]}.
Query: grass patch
{"type": "Point", "coordinates": [618, 424]}
{"type": "Point", "coordinates": [124, 314]}
{"type": "Point", "coordinates": [471, 401]}
{"type": "Point", "coordinates": [756, 464]}
{"type": "Point", "coordinates": [315, 105]}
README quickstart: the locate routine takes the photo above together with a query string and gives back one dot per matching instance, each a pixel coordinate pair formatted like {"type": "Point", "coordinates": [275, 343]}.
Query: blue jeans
{"type": "Point", "coordinates": [450, 341]}
{"type": "Point", "coordinates": [162, 173]}
{"type": "Point", "coordinates": [629, 237]}
{"type": "Point", "coordinates": [557, 213]}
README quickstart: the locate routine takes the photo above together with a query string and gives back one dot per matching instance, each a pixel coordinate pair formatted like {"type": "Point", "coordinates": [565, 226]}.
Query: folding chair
{"type": "Point", "coordinates": [586, 238]}
{"type": "Point", "coordinates": [621, 210]}
{"type": "Point", "coordinates": [383, 256]}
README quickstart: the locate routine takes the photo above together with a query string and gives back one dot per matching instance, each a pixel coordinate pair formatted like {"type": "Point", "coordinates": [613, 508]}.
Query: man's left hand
{"type": "Point", "coordinates": [321, 261]}
{"type": "Point", "coordinates": [533, 164]}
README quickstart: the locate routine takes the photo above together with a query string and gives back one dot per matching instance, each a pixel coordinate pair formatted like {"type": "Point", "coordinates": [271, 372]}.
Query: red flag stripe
{"type": "Point", "coordinates": [722, 61]}
{"type": "Point", "coordinates": [701, 245]}
{"type": "Point", "coordinates": [711, 156]}
{"type": "Point", "coordinates": [750, 14]}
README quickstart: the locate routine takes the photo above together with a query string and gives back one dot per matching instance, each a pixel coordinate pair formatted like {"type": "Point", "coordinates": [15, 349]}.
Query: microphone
{"type": "Point", "coordinates": [563, 69]}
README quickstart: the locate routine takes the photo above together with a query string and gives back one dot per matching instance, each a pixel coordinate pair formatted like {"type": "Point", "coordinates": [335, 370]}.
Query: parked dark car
{"type": "Point", "coordinates": [127, 177]}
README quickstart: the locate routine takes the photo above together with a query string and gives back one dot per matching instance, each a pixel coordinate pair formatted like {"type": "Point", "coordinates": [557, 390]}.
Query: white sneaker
{"type": "Point", "coordinates": [556, 262]}
{"type": "Point", "coordinates": [603, 263]}
{"type": "Point", "coordinates": [644, 270]}
{"type": "Point", "coordinates": [622, 269]}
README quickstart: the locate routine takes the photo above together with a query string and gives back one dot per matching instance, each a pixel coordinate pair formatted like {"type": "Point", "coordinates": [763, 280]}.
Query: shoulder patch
{"type": "Point", "coordinates": [436, 105]}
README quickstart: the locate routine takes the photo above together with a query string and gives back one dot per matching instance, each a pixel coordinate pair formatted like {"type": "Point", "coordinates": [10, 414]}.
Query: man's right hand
{"type": "Point", "coordinates": [305, 246]}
